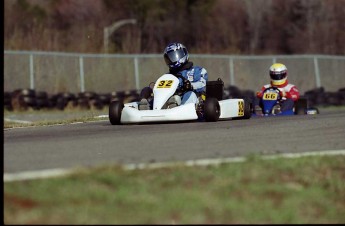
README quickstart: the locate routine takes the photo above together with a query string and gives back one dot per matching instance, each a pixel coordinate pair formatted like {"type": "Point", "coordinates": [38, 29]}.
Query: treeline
{"type": "Point", "coordinates": [204, 26]}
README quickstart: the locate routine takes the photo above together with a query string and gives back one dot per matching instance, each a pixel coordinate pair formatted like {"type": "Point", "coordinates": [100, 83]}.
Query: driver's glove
{"type": "Point", "coordinates": [187, 86]}
{"type": "Point", "coordinates": [282, 93]}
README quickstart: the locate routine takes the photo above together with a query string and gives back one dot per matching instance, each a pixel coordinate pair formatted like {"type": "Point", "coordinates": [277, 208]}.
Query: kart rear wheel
{"type": "Point", "coordinates": [300, 106]}
{"type": "Point", "coordinates": [115, 110]}
{"type": "Point", "coordinates": [211, 110]}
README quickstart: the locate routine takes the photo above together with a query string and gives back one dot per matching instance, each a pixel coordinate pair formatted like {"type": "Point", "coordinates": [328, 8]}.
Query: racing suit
{"type": "Point", "coordinates": [289, 92]}
{"type": "Point", "coordinates": [197, 76]}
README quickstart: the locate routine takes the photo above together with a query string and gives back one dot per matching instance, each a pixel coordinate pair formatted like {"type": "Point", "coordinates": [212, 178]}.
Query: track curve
{"type": "Point", "coordinates": [94, 143]}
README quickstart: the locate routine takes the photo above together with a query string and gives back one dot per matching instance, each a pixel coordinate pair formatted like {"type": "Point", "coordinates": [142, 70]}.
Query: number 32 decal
{"type": "Point", "coordinates": [165, 84]}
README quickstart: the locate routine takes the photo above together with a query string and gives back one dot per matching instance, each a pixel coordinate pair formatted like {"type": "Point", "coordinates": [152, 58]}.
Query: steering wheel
{"type": "Point", "coordinates": [181, 90]}
{"type": "Point", "coordinates": [274, 90]}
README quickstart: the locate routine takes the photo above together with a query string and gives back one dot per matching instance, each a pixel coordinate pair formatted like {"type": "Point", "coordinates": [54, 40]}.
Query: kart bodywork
{"type": "Point", "coordinates": [167, 105]}
{"type": "Point", "coordinates": [271, 105]}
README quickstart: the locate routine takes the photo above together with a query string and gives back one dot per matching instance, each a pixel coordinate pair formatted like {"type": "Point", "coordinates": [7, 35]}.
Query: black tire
{"type": "Point", "coordinates": [30, 101]}
{"type": "Point", "coordinates": [90, 95]}
{"type": "Point", "coordinates": [41, 103]}
{"type": "Point", "coordinates": [96, 103]}
{"type": "Point", "coordinates": [83, 103]}
{"type": "Point", "coordinates": [7, 98]}
{"type": "Point", "coordinates": [105, 98]}
{"type": "Point", "coordinates": [41, 95]}
{"type": "Point", "coordinates": [28, 92]}
{"type": "Point", "coordinates": [301, 106]}
{"type": "Point", "coordinates": [211, 110]}
{"type": "Point", "coordinates": [115, 110]}
{"type": "Point", "coordinates": [61, 103]}
{"type": "Point", "coordinates": [68, 96]}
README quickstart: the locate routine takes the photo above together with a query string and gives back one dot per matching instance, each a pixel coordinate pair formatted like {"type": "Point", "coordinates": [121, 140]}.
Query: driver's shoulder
{"type": "Point", "coordinates": [197, 67]}
{"type": "Point", "coordinates": [199, 70]}
{"type": "Point", "coordinates": [290, 86]}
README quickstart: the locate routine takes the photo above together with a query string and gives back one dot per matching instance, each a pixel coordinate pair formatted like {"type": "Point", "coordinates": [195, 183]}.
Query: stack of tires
{"type": "Point", "coordinates": [42, 100]}
{"type": "Point", "coordinates": [104, 98]}
{"type": "Point", "coordinates": [319, 97]}
{"type": "Point", "coordinates": [341, 96]}
{"type": "Point", "coordinates": [24, 99]}
{"type": "Point", "coordinates": [7, 101]}
{"type": "Point", "coordinates": [93, 100]}
{"type": "Point", "coordinates": [63, 99]}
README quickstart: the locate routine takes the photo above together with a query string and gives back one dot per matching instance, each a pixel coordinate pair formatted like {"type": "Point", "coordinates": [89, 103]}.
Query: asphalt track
{"type": "Point", "coordinates": [97, 143]}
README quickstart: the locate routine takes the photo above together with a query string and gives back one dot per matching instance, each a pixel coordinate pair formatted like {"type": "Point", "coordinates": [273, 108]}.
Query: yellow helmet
{"type": "Point", "coordinates": [278, 74]}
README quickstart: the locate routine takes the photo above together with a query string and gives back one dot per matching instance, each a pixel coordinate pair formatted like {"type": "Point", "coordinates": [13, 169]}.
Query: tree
{"type": "Point", "coordinates": [205, 26]}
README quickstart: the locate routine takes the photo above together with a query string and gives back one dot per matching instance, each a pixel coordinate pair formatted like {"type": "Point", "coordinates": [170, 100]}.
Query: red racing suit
{"type": "Point", "coordinates": [289, 91]}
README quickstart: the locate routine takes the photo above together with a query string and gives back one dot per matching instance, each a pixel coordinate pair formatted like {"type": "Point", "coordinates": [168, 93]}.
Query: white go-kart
{"type": "Point", "coordinates": [167, 105]}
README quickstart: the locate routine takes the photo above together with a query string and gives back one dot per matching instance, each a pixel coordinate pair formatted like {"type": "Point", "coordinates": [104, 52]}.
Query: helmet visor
{"type": "Point", "coordinates": [278, 76]}
{"type": "Point", "coordinates": [174, 56]}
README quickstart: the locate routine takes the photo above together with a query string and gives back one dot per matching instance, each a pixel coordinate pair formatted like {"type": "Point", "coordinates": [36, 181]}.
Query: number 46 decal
{"type": "Point", "coordinates": [165, 84]}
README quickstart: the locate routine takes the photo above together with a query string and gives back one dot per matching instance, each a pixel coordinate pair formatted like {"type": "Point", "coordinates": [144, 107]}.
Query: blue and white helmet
{"type": "Point", "coordinates": [176, 55]}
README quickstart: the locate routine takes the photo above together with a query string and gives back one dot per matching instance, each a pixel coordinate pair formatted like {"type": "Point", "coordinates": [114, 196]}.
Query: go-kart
{"type": "Point", "coordinates": [167, 105]}
{"type": "Point", "coordinates": [271, 102]}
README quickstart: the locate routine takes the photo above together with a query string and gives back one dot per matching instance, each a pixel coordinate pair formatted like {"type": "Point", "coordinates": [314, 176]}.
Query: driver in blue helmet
{"type": "Point", "coordinates": [192, 78]}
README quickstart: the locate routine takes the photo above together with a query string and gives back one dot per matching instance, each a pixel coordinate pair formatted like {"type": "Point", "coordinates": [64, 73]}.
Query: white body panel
{"type": "Point", "coordinates": [130, 113]}
{"type": "Point", "coordinates": [164, 88]}
{"type": "Point", "coordinates": [230, 108]}
{"type": "Point", "coordinates": [183, 112]}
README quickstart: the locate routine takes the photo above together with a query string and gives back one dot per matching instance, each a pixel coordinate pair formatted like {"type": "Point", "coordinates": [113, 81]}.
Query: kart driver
{"type": "Point", "coordinates": [289, 92]}
{"type": "Point", "coordinates": [195, 77]}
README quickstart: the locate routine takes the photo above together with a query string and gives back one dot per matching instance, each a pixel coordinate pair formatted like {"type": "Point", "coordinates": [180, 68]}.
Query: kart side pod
{"type": "Point", "coordinates": [226, 108]}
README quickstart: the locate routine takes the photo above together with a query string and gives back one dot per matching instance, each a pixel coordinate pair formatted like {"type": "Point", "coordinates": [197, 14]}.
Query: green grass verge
{"type": "Point", "coordinates": [280, 191]}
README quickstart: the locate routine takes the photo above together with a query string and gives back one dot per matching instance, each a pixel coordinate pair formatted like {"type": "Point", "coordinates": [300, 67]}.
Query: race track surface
{"type": "Point", "coordinates": [95, 143]}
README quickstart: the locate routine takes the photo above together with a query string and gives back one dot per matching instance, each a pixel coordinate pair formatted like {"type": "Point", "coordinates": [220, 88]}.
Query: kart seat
{"type": "Point", "coordinates": [215, 89]}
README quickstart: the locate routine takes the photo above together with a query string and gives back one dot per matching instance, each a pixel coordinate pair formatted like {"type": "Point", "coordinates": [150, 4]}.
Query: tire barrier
{"type": "Point", "coordinates": [25, 99]}
{"type": "Point", "coordinates": [317, 97]}
{"type": "Point", "coordinates": [320, 97]}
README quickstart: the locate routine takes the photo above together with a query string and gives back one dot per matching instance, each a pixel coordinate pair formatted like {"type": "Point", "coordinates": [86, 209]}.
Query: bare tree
{"type": "Point", "coordinates": [205, 26]}
{"type": "Point", "coordinates": [256, 11]}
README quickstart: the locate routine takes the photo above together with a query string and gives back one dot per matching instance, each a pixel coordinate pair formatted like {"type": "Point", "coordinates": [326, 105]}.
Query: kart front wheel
{"type": "Point", "coordinates": [211, 110]}
{"type": "Point", "coordinates": [115, 110]}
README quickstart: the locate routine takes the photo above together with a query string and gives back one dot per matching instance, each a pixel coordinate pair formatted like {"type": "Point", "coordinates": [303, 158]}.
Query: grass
{"type": "Point", "coordinates": [280, 191]}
